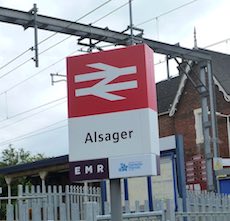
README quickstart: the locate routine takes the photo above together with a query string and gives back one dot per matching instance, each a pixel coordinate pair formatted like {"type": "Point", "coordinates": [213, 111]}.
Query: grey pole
{"type": "Point", "coordinates": [206, 126]}
{"type": "Point", "coordinates": [35, 35]}
{"type": "Point", "coordinates": [131, 21]}
{"type": "Point", "coordinates": [115, 199]}
{"type": "Point", "coordinates": [213, 110]}
{"type": "Point", "coordinates": [181, 171]}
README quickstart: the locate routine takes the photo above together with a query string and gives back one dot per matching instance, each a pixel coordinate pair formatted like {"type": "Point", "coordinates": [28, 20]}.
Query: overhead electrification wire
{"type": "Point", "coordinates": [34, 114]}
{"type": "Point", "coordinates": [33, 109]}
{"type": "Point", "coordinates": [37, 73]}
{"type": "Point", "coordinates": [149, 20]}
{"type": "Point", "coordinates": [116, 9]}
{"type": "Point", "coordinates": [15, 68]}
{"type": "Point", "coordinates": [166, 13]}
{"type": "Point", "coordinates": [52, 46]}
{"type": "Point", "coordinates": [217, 43]}
{"type": "Point", "coordinates": [207, 46]}
{"type": "Point", "coordinates": [34, 75]}
{"type": "Point", "coordinates": [34, 133]}
{"type": "Point", "coordinates": [29, 136]}
{"type": "Point", "coordinates": [90, 12]}
{"type": "Point", "coordinates": [14, 59]}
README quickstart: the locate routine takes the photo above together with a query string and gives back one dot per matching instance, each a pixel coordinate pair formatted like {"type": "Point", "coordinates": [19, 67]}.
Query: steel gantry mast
{"type": "Point", "coordinates": [26, 19]}
{"type": "Point", "coordinates": [36, 21]}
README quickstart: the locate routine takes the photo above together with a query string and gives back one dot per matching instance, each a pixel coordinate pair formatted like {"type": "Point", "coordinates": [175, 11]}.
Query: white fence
{"type": "Point", "coordinates": [203, 206]}
{"type": "Point", "coordinates": [53, 203]}
{"type": "Point", "coordinates": [74, 203]}
{"type": "Point", "coordinates": [163, 210]}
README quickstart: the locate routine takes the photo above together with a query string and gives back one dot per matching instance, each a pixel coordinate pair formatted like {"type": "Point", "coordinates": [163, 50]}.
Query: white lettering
{"type": "Point", "coordinates": [88, 169]}
{"type": "Point", "coordinates": [100, 168]}
{"type": "Point", "coordinates": [77, 170]}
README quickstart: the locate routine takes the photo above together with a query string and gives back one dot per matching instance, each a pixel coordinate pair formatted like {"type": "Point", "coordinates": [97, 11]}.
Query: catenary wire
{"type": "Point", "coordinates": [156, 17]}
{"type": "Point", "coordinates": [52, 46]}
{"type": "Point", "coordinates": [90, 12]}
{"type": "Point", "coordinates": [116, 9]}
{"type": "Point", "coordinates": [15, 68]}
{"type": "Point", "coordinates": [49, 37]}
{"type": "Point", "coordinates": [14, 59]}
{"type": "Point", "coordinates": [217, 43]}
{"type": "Point", "coordinates": [32, 115]}
{"type": "Point", "coordinates": [166, 13]}
{"type": "Point", "coordinates": [33, 109]}
{"type": "Point", "coordinates": [32, 76]}
{"type": "Point", "coordinates": [29, 136]}
{"type": "Point", "coordinates": [32, 132]}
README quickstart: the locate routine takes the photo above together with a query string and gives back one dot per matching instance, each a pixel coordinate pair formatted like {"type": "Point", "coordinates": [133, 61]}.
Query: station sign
{"type": "Point", "coordinates": [112, 111]}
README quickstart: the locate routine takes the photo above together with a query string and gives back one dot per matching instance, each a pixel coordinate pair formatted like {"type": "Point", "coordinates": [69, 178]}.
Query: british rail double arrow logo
{"type": "Point", "coordinates": [104, 88]}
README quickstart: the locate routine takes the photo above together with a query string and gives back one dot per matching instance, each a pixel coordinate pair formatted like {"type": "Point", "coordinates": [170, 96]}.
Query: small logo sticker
{"type": "Point", "coordinates": [131, 166]}
{"type": "Point", "coordinates": [123, 167]}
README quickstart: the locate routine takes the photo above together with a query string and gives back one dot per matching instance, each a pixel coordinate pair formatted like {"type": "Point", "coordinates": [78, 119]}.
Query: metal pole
{"type": "Point", "coordinates": [115, 197]}
{"type": "Point", "coordinates": [103, 196]}
{"type": "Point", "coordinates": [206, 126]}
{"type": "Point", "coordinates": [35, 35]}
{"type": "Point", "coordinates": [213, 110]}
{"type": "Point", "coordinates": [167, 66]}
{"type": "Point", "coordinates": [181, 170]}
{"type": "Point", "coordinates": [131, 21]}
{"type": "Point", "coordinates": [228, 130]}
{"type": "Point", "coordinates": [150, 193]}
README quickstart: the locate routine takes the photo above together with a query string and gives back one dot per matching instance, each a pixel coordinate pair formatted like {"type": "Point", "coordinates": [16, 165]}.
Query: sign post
{"type": "Point", "coordinates": [113, 120]}
{"type": "Point", "coordinates": [115, 195]}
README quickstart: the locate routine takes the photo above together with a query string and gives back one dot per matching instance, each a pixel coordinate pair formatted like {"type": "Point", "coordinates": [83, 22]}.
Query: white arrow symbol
{"type": "Point", "coordinates": [103, 89]}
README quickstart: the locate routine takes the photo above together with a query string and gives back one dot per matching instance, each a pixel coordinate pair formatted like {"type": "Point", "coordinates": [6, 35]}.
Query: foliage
{"type": "Point", "coordinates": [12, 156]}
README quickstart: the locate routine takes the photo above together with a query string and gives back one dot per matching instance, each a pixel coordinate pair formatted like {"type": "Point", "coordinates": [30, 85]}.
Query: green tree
{"type": "Point", "coordinates": [10, 157]}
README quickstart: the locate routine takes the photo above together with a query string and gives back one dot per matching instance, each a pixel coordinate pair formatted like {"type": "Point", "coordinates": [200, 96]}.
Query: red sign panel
{"type": "Point", "coordinates": [196, 171]}
{"type": "Point", "coordinates": [111, 81]}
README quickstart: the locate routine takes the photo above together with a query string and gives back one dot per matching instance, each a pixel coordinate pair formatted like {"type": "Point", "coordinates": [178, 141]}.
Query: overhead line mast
{"type": "Point", "coordinates": [88, 31]}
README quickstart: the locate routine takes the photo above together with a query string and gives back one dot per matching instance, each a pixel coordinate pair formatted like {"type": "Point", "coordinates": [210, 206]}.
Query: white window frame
{"type": "Point", "coordinates": [198, 126]}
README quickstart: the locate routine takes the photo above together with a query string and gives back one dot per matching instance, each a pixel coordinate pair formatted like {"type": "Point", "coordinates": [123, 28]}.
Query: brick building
{"type": "Point", "coordinates": [179, 111]}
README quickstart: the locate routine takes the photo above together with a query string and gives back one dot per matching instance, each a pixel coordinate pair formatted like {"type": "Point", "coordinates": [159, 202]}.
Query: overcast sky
{"type": "Point", "coordinates": [33, 113]}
